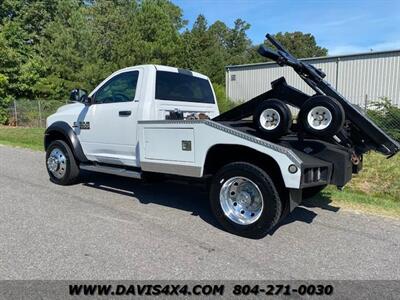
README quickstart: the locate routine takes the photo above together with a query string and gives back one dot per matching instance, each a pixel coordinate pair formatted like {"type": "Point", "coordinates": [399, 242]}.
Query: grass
{"type": "Point", "coordinates": [22, 137]}
{"type": "Point", "coordinates": [380, 205]}
{"type": "Point", "coordinates": [380, 177]}
{"type": "Point", "coordinates": [376, 189]}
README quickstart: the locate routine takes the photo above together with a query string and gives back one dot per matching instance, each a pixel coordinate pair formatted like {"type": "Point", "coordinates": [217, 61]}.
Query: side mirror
{"type": "Point", "coordinates": [79, 95]}
{"type": "Point", "coordinates": [74, 95]}
{"type": "Point", "coordinates": [85, 99]}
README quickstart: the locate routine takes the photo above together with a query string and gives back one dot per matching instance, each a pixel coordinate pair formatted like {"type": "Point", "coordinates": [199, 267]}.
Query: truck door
{"type": "Point", "coordinates": [107, 128]}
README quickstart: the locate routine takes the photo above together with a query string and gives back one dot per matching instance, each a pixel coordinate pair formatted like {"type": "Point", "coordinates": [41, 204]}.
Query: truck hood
{"type": "Point", "coordinates": [70, 106]}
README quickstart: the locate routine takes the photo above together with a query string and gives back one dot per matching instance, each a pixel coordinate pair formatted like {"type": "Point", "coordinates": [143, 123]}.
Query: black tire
{"type": "Point", "coordinates": [272, 206]}
{"type": "Point", "coordinates": [70, 173]}
{"type": "Point", "coordinates": [336, 119]}
{"type": "Point", "coordinates": [285, 118]}
{"type": "Point", "coordinates": [312, 191]}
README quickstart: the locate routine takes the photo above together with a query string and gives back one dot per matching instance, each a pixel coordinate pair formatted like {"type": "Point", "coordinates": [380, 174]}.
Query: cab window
{"type": "Point", "coordinates": [183, 87]}
{"type": "Point", "coordinates": [120, 88]}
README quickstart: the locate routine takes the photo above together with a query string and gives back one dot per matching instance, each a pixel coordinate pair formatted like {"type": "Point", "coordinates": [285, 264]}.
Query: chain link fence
{"type": "Point", "coordinates": [33, 113]}
{"type": "Point", "coordinates": [385, 115]}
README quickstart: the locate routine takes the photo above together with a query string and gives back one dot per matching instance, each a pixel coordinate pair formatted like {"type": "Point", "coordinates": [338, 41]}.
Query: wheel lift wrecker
{"type": "Point", "coordinates": [258, 163]}
{"type": "Point", "coordinates": [355, 132]}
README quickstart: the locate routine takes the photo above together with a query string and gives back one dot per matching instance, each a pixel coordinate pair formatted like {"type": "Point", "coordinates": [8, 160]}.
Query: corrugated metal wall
{"type": "Point", "coordinates": [359, 77]}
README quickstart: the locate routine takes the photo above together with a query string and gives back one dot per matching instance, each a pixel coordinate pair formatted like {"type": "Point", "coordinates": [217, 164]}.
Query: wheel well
{"type": "Point", "coordinates": [222, 154]}
{"type": "Point", "coordinates": [55, 135]}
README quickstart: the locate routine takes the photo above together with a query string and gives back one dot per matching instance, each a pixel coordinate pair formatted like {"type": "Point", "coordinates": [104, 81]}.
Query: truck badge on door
{"type": "Point", "coordinates": [82, 125]}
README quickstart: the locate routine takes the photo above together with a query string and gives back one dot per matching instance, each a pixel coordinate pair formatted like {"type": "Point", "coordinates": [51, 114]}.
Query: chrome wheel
{"type": "Point", "coordinates": [57, 163]}
{"type": "Point", "coordinates": [241, 200]}
{"type": "Point", "coordinates": [319, 118]}
{"type": "Point", "coordinates": [270, 119]}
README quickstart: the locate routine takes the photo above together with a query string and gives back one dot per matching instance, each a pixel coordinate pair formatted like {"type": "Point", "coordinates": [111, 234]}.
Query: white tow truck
{"type": "Point", "coordinates": [151, 119]}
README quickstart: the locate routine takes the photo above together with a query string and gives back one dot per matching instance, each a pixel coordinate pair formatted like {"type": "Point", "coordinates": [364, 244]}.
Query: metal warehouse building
{"type": "Point", "coordinates": [361, 78]}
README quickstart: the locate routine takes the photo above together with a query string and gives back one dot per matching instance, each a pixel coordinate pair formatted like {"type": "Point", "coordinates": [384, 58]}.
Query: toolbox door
{"type": "Point", "coordinates": [170, 144]}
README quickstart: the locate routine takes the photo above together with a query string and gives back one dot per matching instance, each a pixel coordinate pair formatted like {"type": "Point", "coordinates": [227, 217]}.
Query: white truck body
{"type": "Point", "coordinates": [146, 140]}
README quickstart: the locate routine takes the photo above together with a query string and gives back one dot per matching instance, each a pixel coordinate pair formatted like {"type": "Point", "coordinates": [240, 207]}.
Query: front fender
{"type": "Point", "coordinates": [63, 129]}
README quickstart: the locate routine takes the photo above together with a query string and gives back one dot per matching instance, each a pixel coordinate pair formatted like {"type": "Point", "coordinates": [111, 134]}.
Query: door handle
{"type": "Point", "coordinates": [124, 113]}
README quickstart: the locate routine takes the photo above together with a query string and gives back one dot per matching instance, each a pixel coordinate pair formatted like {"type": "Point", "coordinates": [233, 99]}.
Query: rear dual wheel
{"type": "Point", "coordinates": [244, 200]}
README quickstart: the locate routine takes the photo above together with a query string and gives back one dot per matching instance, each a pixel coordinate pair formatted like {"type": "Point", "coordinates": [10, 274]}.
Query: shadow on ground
{"type": "Point", "coordinates": [190, 196]}
{"type": "Point", "coordinates": [305, 212]}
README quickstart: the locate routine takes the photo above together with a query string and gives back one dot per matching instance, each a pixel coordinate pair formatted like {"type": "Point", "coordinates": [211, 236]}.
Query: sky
{"type": "Point", "coordinates": [341, 26]}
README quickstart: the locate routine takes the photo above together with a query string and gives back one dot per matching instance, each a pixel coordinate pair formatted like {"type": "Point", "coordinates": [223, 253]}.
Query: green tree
{"type": "Point", "coordinates": [48, 47]}
{"type": "Point", "coordinates": [202, 51]}
{"type": "Point", "coordinates": [12, 55]}
{"type": "Point", "coordinates": [85, 43]}
{"type": "Point", "coordinates": [158, 23]}
{"type": "Point", "coordinates": [235, 41]}
{"type": "Point", "coordinates": [299, 44]}
{"type": "Point", "coordinates": [22, 25]}
{"type": "Point", "coordinates": [209, 49]}
{"type": "Point", "coordinates": [63, 52]}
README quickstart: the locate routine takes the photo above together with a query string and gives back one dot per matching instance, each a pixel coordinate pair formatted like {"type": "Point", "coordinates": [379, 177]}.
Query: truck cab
{"type": "Point", "coordinates": [106, 123]}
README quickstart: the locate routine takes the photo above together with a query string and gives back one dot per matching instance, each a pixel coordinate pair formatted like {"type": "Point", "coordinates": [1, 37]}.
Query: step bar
{"type": "Point", "coordinates": [112, 170]}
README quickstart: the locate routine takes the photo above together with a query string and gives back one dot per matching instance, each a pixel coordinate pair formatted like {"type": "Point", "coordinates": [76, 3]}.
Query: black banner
{"type": "Point", "coordinates": [76, 289]}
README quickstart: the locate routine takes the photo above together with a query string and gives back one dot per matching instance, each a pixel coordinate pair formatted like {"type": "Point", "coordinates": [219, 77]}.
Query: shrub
{"type": "Point", "coordinates": [386, 116]}
{"type": "Point", "coordinates": [224, 103]}
{"type": "Point", "coordinates": [4, 110]}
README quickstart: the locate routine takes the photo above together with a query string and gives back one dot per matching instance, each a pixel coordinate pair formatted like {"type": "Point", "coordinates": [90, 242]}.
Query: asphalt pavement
{"type": "Point", "coordinates": [109, 227]}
